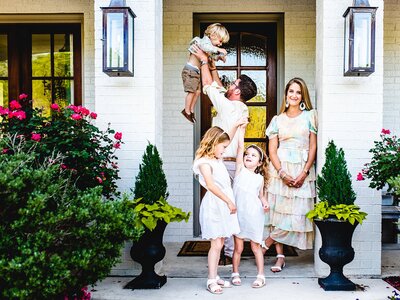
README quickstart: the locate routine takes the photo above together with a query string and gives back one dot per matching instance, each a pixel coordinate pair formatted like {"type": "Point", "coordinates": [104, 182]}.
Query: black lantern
{"type": "Point", "coordinates": [118, 39]}
{"type": "Point", "coordinates": [359, 39]}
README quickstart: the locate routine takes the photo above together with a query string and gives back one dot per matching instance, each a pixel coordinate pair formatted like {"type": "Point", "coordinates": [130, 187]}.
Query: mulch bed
{"type": "Point", "coordinates": [394, 281]}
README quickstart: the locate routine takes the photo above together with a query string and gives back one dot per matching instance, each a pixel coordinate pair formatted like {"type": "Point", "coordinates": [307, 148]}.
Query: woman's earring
{"type": "Point", "coordinates": [287, 104]}
{"type": "Point", "coordinates": [302, 105]}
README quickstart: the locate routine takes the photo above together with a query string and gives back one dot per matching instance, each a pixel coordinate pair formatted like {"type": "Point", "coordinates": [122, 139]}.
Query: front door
{"type": "Point", "coordinates": [41, 60]}
{"type": "Point", "coordinates": [252, 50]}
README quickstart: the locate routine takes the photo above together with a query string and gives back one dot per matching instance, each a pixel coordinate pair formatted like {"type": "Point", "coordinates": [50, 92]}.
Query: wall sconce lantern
{"type": "Point", "coordinates": [359, 39]}
{"type": "Point", "coordinates": [118, 36]}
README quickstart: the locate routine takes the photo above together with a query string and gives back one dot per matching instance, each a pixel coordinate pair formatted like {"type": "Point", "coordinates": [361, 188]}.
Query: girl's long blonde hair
{"type": "Point", "coordinates": [263, 168]}
{"type": "Point", "coordinates": [213, 136]}
{"type": "Point", "coordinates": [305, 95]}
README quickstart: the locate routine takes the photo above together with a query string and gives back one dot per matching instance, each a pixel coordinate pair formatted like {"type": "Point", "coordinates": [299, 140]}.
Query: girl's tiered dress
{"type": "Point", "coordinates": [246, 188]}
{"type": "Point", "coordinates": [215, 218]}
{"type": "Point", "coordinates": [286, 222]}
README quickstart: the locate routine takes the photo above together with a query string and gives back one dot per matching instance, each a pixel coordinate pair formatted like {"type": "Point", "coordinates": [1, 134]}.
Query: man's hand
{"type": "Point", "coordinates": [200, 54]}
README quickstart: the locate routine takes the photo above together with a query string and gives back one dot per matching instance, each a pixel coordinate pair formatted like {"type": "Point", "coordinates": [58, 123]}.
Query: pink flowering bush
{"type": "Point", "coordinates": [385, 161]}
{"type": "Point", "coordinates": [88, 151]}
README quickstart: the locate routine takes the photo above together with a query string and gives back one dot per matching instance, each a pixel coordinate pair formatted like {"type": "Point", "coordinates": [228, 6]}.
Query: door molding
{"type": "Point", "coordinates": [199, 18]}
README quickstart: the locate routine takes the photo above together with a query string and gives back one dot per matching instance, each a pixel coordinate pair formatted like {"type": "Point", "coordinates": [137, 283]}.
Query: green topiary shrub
{"type": "Point", "coordinates": [335, 190]}
{"type": "Point", "coordinates": [55, 239]}
{"type": "Point", "coordinates": [151, 183]}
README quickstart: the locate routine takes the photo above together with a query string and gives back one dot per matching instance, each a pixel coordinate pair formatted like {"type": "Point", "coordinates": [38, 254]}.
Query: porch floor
{"type": "Point", "coordinates": [187, 277]}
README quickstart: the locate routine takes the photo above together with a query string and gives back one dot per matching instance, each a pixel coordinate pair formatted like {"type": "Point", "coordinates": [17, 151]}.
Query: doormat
{"type": "Point", "coordinates": [200, 248]}
{"type": "Point", "coordinates": [394, 281]}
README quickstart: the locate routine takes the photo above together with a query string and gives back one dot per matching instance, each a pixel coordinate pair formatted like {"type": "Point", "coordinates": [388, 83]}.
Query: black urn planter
{"type": "Point", "coordinates": [147, 251]}
{"type": "Point", "coordinates": [336, 251]}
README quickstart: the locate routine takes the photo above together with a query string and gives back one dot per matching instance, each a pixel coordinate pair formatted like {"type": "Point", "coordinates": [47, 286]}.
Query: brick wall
{"type": "Point", "coordinates": [391, 69]}
{"type": "Point", "coordinates": [350, 113]}
{"type": "Point", "coordinates": [299, 57]}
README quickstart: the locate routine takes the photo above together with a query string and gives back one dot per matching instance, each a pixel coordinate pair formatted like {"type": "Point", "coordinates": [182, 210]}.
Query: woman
{"type": "Point", "coordinates": [292, 149]}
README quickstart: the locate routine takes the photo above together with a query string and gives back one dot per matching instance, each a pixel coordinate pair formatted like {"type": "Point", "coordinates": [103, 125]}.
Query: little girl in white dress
{"type": "Point", "coordinates": [218, 218]}
{"type": "Point", "coordinates": [249, 188]}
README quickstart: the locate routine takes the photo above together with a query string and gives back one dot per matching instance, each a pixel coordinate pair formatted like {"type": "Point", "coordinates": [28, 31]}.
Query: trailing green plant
{"type": "Point", "coordinates": [394, 182]}
{"type": "Point", "coordinates": [54, 238]}
{"type": "Point", "coordinates": [87, 151]}
{"type": "Point", "coordinates": [151, 183]}
{"type": "Point", "coordinates": [345, 212]}
{"type": "Point", "coordinates": [335, 189]}
{"type": "Point", "coordinates": [147, 215]}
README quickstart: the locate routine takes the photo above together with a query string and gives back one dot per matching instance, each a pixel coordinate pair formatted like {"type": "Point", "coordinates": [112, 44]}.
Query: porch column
{"type": "Point", "coordinates": [350, 113]}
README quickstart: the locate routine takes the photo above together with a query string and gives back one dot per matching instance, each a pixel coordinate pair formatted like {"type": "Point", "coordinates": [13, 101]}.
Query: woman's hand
{"type": "Point", "coordinates": [288, 180]}
{"type": "Point", "coordinates": [298, 182]}
{"type": "Point", "coordinates": [232, 207]}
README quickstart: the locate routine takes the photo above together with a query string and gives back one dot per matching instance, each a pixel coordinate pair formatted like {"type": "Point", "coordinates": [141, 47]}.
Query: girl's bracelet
{"type": "Point", "coordinates": [283, 177]}
{"type": "Point", "coordinates": [279, 172]}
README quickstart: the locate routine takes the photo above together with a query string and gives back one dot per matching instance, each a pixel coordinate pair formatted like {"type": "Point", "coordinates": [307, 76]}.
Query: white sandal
{"type": "Point", "coordinates": [235, 279]}
{"type": "Point", "coordinates": [277, 269]}
{"type": "Point", "coordinates": [223, 283]}
{"type": "Point", "coordinates": [259, 282]}
{"type": "Point", "coordinates": [213, 287]}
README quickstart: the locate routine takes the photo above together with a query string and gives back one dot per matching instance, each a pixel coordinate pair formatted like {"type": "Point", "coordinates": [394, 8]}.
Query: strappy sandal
{"type": "Point", "coordinates": [276, 268]}
{"type": "Point", "coordinates": [213, 287]}
{"type": "Point", "coordinates": [223, 283]}
{"type": "Point", "coordinates": [259, 282]}
{"type": "Point", "coordinates": [235, 279]}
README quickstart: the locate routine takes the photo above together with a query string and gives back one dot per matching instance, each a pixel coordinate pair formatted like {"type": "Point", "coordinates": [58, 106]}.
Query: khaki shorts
{"type": "Point", "coordinates": [191, 80]}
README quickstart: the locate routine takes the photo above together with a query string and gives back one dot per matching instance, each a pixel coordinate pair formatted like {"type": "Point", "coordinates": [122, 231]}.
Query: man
{"type": "Point", "coordinates": [230, 106]}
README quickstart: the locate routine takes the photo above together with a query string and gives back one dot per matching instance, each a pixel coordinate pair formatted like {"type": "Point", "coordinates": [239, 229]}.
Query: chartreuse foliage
{"type": "Point", "coordinates": [149, 214]}
{"type": "Point", "coordinates": [54, 238]}
{"type": "Point", "coordinates": [335, 191]}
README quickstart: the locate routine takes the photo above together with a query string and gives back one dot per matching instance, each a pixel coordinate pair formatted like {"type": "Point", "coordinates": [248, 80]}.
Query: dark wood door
{"type": "Point", "coordinates": [41, 60]}
{"type": "Point", "coordinates": [252, 50]}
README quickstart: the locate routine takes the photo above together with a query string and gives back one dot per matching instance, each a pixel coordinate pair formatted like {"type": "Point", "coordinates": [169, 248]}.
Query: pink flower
{"type": "Point", "coordinates": [114, 165]}
{"type": "Point", "coordinates": [63, 167]}
{"type": "Point", "coordinates": [23, 96]}
{"type": "Point", "coordinates": [118, 135]}
{"type": "Point", "coordinates": [5, 150]}
{"type": "Point", "coordinates": [93, 115]}
{"type": "Point", "coordinates": [76, 117]}
{"type": "Point", "coordinates": [99, 179]}
{"type": "Point", "coordinates": [14, 105]}
{"type": "Point", "coordinates": [360, 177]}
{"type": "Point", "coordinates": [84, 111]}
{"type": "Point", "coordinates": [55, 106]}
{"type": "Point", "coordinates": [117, 145]}
{"type": "Point", "coordinates": [36, 137]}
{"type": "Point", "coordinates": [385, 131]}
{"type": "Point", "coordinates": [3, 111]}
{"type": "Point", "coordinates": [20, 115]}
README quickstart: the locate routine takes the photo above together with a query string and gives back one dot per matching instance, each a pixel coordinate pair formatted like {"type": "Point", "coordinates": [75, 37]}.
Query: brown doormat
{"type": "Point", "coordinates": [394, 281]}
{"type": "Point", "coordinates": [200, 248]}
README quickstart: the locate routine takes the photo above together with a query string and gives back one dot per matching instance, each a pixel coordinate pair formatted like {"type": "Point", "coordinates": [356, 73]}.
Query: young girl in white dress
{"type": "Point", "coordinates": [218, 218]}
{"type": "Point", "coordinates": [249, 188]}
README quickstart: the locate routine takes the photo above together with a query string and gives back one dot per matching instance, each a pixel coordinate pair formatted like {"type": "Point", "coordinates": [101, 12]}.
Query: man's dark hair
{"type": "Point", "coordinates": [248, 88]}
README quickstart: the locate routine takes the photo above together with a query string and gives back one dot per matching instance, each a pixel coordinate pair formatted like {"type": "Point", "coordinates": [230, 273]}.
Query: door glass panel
{"type": "Point", "coordinates": [258, 120]}
{"type": "Point", "coordinates": [63, 58]}
{"type": "Point", "coordinates": [41, 95]}
{"type": "Point", "coordinates": [260, 78]}
{"type": "Point", "coordinates": [41, 50]}
{"type": "Point", "coordinates": [4, 93]}
{"type": "Point", "coordinates": [231, 48]}
{"type": "Point", "coordinates": [63, 92]}
{"type": "Point", "coordinates": [227, 77]}
{"type": "Point", "coordinates": [3, 56]}
{"type": "Point", "coordinates": [253, 50]}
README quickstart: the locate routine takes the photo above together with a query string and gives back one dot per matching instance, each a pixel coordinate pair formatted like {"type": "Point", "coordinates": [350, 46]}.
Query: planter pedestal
{"type": "Point", "coordinates": [147, 251]}
{"type": "Point", "coordinates": [336, 251]}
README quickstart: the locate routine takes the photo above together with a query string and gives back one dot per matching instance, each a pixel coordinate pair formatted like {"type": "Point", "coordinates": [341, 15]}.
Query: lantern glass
{"type": "Point", "coordinates": [115, 40]}
{"type": "Point", "coordinates": [362, 40]}
{"type": "Point", "coordinates": [130, 43]}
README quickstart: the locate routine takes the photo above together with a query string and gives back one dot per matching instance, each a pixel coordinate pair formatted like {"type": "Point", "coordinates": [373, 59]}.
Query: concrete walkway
{"type": "Point", "coordinates": [187, 280]}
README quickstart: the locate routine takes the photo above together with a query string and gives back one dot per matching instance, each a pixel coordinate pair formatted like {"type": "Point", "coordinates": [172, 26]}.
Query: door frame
{"type": "Point", "coordinates": [198, 18]}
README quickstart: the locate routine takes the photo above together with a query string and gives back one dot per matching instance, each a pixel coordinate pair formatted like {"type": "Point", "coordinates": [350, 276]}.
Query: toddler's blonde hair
{"type": "Point", "coordinates": [213, 136]}
{"type": "Point", "coordinates": [219, 30]}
